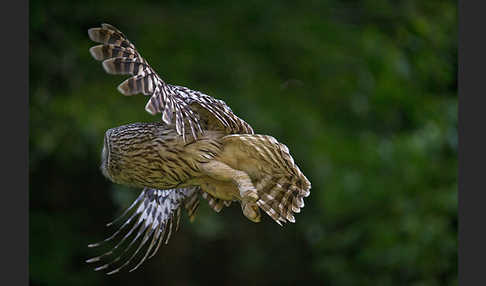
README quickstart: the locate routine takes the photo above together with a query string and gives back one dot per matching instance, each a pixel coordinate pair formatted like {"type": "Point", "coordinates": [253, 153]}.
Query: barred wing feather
{"type": "Point", "coordinates": [178, 105]}
{"type": "Point", "coordinates": [157, 214]}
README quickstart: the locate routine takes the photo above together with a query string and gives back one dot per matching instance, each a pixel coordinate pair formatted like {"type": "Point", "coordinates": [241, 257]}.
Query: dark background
{"type": "Point", "coordinates": [363, 93]}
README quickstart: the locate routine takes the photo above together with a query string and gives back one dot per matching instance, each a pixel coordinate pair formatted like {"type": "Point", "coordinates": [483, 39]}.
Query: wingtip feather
{"type": "Point", "coordinates": [92, 32]}
{"type": "Point", "coordinates": [108, 66]}
{"type": "Point", "coordinates": [149, 107]}
{"type": "Point", "coordinates": [91, 260]}
{"type": "Point", "coordinates": [123, 88]}
{"type": "Point", "coordinates": [94, 51]}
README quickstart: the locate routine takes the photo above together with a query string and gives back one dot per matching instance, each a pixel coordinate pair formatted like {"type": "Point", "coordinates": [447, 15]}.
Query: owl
{"type": "Point", "coordinates": [199, 148]}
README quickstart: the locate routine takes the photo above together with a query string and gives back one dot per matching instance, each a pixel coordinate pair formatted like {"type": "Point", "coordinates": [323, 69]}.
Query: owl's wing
{"type": "Point", "coordinates": [156, 213]}
{"type": "Point", "coordinates": [178, 105]}
{"type": "Point", "coordinates": [280, 184]}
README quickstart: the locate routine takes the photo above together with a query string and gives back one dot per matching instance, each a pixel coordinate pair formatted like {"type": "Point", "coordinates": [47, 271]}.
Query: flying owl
{"type": "Point", "coordinates": [200, 148]}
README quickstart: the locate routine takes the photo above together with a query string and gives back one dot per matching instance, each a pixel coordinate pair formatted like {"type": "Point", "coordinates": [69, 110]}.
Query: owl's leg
{"type": "Point", "coordinates": [247, 192]}
{"type": "Point", "coordinates": [222, 172]}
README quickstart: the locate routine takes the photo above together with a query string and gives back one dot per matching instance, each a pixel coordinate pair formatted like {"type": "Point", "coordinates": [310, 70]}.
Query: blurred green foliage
{"type": "Point", "coordinates": [363, 93]}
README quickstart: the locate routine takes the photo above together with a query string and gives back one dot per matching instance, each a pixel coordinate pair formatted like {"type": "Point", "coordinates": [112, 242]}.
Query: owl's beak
{"type": "Point", "coordinates": [105, 154]}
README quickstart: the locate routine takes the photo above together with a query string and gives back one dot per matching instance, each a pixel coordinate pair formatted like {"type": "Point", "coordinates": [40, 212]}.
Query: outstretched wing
{"type": "Point", "coordinates": [280, 184]}
{"type": "Point", "coordinates": [187, 109]}
{"type": "Point", "coordinates": [156, 213]}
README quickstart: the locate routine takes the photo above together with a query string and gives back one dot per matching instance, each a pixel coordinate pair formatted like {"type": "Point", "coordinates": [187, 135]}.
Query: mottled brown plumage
{"type": "Point", "coordinates": [201, 148]}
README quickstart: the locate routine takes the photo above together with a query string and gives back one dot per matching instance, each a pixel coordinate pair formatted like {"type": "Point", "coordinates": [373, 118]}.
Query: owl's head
{"type": "Point", "coordinates": [133, 154]}
{"type": "Point", "coordinates": [125, 152]}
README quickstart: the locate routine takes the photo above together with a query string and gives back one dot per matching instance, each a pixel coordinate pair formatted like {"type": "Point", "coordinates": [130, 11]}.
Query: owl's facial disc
{"type": "Point", "coordinates": [105, 154]}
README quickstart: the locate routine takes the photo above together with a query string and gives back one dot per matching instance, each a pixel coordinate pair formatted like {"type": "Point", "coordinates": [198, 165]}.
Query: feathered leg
{"type": "Point", "coordinates": [247, 192]}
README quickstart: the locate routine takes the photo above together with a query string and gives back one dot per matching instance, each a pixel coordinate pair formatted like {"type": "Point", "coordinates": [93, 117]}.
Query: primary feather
{"type": "Point", "coordinates": [153, 219]}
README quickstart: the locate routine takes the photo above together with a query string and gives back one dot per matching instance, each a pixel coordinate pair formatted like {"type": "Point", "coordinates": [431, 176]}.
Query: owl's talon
{"type": "Point", "coordinates": [251, 211]}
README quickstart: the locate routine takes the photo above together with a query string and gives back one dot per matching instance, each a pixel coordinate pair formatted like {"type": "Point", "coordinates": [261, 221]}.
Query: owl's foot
{"type": "Point", "coordinates": [245, 190]}
{"type": "Point", "coordinates": [249, 207]}
{"type": "Point", "coordinates": [222, 172]}
{"type": "Point", "coordinates": [251, 210]}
